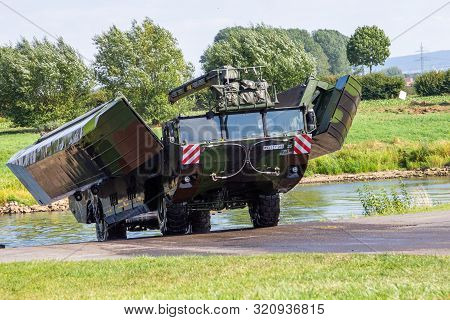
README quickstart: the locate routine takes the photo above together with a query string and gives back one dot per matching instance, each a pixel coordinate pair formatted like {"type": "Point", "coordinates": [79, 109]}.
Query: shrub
{"type": "Point", "coordinates": [433, 83]}
{"type": "Point", "coordinates": [382, 203]}
{"type": "Point", "coordinates": [381, 86]}
{"type": "Point", "coordinates": [399, 200]}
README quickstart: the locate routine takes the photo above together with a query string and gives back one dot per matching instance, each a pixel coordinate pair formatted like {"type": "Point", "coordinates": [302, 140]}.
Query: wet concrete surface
{"type": "Point", "coordinates": [421, 233]}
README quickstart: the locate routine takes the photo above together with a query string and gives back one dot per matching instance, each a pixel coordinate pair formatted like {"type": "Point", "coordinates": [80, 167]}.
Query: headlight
{"type": "Point", "coordinates": [187, 179]}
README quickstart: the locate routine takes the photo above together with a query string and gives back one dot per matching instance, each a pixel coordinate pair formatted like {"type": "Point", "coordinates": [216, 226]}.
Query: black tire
{"type": "Point", "coordinates": [104, 231]}
{"type": "Point", "coordinates": [173, 218]}
{"type": "Point", "coordinates": [265, 211]}
{"type": "Point", "coordinates": [200, 221]}
{"type": "Point", "coordinates": [111, 232]}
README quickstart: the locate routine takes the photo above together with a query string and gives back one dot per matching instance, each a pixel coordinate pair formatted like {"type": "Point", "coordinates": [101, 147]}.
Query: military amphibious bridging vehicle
{"type": "Point", "coordinates": [252, 145]}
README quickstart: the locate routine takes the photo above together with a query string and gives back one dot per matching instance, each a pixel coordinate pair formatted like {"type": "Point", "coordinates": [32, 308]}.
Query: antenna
{"type": "Point", "coordinates": [422, 58]}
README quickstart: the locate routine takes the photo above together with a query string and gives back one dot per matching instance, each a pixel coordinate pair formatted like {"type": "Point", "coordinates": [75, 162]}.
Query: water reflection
{"type": "Point", "coordinates": [304, 203]}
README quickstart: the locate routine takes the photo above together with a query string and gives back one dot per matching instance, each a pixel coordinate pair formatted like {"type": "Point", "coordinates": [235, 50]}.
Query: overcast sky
{"type": "Point", "coordinates": [194, 23]}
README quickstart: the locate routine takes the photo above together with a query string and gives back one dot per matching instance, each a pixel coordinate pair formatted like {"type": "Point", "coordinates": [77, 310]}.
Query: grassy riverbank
{"type": "Point", "coordinates": [386, 135]}
{"type": "Point", "coordinates": [424, 209]}
{"type": "Point", "coordinates": [293, 276]}
{"type": "Point", "coordinates": [393, 134]}
{"type": "Point", "coordinates": [372, 156]}
{"type": "Point", "coordinates": [11, 141]}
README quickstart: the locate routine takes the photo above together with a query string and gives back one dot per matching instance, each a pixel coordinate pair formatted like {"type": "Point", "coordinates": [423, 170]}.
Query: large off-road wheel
{"type": "Point", "coordinates": [104, 231]}
{"type": "Point", "coordinates": [173, 217]}
{"type": "Point", "coordinates": [265, 210]}
{"type": "Point", "coordinates": [111, 232]}
{"type": "Point", "coordinates": [200, 221]}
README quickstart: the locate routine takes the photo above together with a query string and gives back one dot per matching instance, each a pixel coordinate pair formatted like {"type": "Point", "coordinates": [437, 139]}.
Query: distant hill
{"type": "Point", "coordinates": [437, 60]}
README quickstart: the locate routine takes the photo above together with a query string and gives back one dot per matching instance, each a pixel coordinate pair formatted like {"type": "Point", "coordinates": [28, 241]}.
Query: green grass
{"type": "Point", "coordinates": [158, 131]}
{"type": "Point", "coordinates": [282, 276]}
{"type": "Point", "coordinates": [422, 209]}
{"type": "Point", "coordinates": [417, 209]}
{"type": "Point", "coordinates": [386, 137]}
{"type": "Point", "coordinates": [389, 120]}
{"type": "Point", "coordinates": [411, 100]}
{"type": "Point", "coordinates": [388, 127]}
{"type": "Point", "coordinates": [11, 141]}
{"type": "Point", "coordinates": [378, 156]}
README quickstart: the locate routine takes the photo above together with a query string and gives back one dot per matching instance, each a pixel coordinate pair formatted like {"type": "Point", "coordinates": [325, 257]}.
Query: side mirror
{"type": "Point", "coordinates": [310, 121]}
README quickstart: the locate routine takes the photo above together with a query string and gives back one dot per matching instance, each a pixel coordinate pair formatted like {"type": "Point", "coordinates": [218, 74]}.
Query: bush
{"type": "Point", "coordinates": [398, 201]}
{"type": "Point", "coordinates": [381, 86]}
{"type": "Point", "coordinates": [382, 203]}
{"type": "Point", "coordinates": [433, 83]}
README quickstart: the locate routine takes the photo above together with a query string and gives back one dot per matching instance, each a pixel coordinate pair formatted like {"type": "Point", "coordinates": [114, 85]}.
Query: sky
{"type": "Point", "coordinates": [195, 23]}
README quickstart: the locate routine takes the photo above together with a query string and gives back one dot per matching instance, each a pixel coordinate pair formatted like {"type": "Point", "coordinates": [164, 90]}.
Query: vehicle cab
{"type": "Point", "coordinates": [259, 150]}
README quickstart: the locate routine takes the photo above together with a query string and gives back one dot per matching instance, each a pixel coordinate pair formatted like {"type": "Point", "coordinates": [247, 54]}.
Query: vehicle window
{"type": "Point", "coordinates": [197, 130]}
{"type": "Point", "coordinates": [281, 122]}
{"type": "Point", "coordinates": [244, 125]}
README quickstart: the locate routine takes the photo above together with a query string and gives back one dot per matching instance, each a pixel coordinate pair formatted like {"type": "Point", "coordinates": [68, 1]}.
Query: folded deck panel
{"type": "Point", "coordinates": [109, 141]}
{"type": "Point", "coordinates": [336, 117]}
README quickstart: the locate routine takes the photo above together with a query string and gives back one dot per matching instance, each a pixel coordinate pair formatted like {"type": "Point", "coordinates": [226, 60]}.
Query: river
{"type": "Point", "coordinates": [304, 203]}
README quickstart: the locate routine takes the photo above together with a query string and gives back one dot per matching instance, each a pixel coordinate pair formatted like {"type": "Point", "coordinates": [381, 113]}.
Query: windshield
{"type": "Point", "coordinates": [244, 125]}
{"type": "Point", "coordinates": [284, 121]}
{"type": "Point", "coordinates": [197, 130]}
{"type": "Point", "coordinates": [241, 126]}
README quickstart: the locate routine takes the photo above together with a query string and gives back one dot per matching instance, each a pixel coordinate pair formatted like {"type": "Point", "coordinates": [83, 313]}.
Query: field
{"type": "Point", "coordinates": [11, 141]}
{"type": "Point", "coordinates": [393, 134]}
{"type": "Point", "coordinates": [386, 135]}
{"type": "Point", "coordinates": [418, 119]}
{"type": "Point", "coordinates": [293, 276]}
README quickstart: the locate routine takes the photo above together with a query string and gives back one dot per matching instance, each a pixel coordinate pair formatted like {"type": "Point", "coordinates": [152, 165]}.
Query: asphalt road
{"type": "Point", "coordinates": [423, 233]}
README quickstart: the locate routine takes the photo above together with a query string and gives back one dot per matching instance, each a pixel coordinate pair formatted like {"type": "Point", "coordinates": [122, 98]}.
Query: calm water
{"type": "Point", "coordinates": [304, 203]}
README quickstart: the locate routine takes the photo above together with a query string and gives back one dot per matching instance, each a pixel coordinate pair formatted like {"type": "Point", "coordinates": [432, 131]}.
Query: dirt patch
{"type": "Point", "coordinates": [424, 104]}
{"type": "Point", "coordinates": [393, 174]}
{"type": "Point", "coordinates": [16, 208]}
{"type": "Point", "coordinates": [420, 110]}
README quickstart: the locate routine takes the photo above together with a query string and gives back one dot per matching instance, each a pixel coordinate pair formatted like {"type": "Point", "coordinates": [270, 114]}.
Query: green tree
{"type": "Point", "coordinates": [299, 36]}
{"type": "Point", "coordinates": [143, 63]}
{"type": "Point", "coordinates": [43, 84]}
{"type": "Point", "coordinates": [287, 64]}
{"type": "Point", "coordinates": [368, 46]}
{"type": "Point", "coordinates": [334, 45]}
{"type": "Point", "coordinates": [392, 71]}
{"type": "Point", "coordinates": [306, 40]}
{"type": "Point", "coordinates": [225, 33]}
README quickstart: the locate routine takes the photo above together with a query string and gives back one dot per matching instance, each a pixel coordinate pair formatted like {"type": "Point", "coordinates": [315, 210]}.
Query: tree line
{"type": "Point", "coordinates": [44, 83]}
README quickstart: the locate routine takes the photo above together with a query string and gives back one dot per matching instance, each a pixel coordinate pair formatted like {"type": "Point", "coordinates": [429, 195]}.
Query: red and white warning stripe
{"type": "Point", "coordinates": [191, 154]}
{"type": "Point", "coordinates": [302, 143]}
